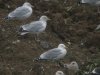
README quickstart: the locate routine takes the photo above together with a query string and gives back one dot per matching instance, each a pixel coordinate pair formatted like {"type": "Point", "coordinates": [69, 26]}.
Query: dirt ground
{"type": "Point", "coordinates": [71, 24]}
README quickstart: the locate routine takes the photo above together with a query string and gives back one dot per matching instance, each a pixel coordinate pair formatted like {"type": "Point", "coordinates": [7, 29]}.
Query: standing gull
{"type": "Point", "coordinates": [91, 2]}
{"type": "Point", "coordinates": [59, 73]}
{"type": "Point", "coordinates": [34, 27]}
{"type": "Point", "coordinates": [21, 12]}
{"type": "Point", "coordinates": [54, 54]}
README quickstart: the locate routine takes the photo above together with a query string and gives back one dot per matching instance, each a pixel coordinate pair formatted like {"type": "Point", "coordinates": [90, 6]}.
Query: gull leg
{"type": "Point", "coordinates": [37, 37]}
{"type": "Point", "coordinates": [59, 63]}
{"type": "Point", "coordinates": [84, 8]}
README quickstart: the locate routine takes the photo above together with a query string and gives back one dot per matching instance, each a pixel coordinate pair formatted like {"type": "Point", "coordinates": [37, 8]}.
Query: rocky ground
{"type": "Point", "coordinates": [71, 24]}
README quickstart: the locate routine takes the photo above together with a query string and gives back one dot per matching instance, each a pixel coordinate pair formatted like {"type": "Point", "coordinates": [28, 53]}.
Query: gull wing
{"type": "Point", "coordinates": [36, 26]}
{"type": "Point", "coordinates": [19, 12]}
{"type": "Point", "coordinates": [51, 54]}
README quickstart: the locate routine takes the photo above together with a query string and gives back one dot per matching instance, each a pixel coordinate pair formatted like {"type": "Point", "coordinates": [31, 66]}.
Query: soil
{"type": "Point", "coordinates": [71, 24]}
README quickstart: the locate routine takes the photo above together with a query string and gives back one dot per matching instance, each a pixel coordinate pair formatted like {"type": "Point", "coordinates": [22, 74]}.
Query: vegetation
{"type": "Point", "coordinates": [71, 24]}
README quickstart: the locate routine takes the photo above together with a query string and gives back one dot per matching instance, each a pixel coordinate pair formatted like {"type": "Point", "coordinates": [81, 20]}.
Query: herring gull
{"type": "Point", "coordinates": [21, 12]}
{"type": "Point", "coordinates": [54, 54]}
{"type": "Point", "coordinates": [92, 2]}
{"type": "Point", "coordinates": [34, 27]}
{"type": "Point", "coordinates": [73, 66]}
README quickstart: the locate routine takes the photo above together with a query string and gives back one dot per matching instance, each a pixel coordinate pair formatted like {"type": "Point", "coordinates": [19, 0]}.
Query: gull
{"type": "Point", "coordinates": [91, 2]}
{"type": "Point", "coordinates": [73, 66]}
{"type": "Point", "coordinates": [34, 27]}
{"type": "Point", "coordinates": [98, 27]}
{"type": "Point", "coordinates": [59, 73]}
{"type": "Point", "coordinates": [54, 54]}
{"type": "Point", "coordinates": [96, 71]}
{"type": "Point", "coordinates": [21, 12]}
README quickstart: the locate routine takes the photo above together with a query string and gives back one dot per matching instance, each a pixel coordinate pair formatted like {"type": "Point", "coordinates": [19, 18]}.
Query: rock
{"type": "Point", "coordinates": [44, 44]}
{"type": "Point", "coordinates": [3, 30]}
{"type": "Point", "coordinates": [17, 41]}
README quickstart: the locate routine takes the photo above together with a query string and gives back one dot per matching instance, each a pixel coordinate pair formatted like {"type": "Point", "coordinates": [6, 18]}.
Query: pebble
{"type": "Point", "coordinates": [44, 44]}
{"type": "Point", "coordinates": [17, 41]}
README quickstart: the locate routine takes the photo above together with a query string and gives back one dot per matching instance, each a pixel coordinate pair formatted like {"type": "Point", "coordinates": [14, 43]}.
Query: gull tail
{"type": "Point", "coordinates": [39, 59]}
{"type": "Point", "coordinates": [6, 18]}
{"type": "Point", "coordinates": [22, 31]}
{"type": "Point", "coordinates": [36, 59]}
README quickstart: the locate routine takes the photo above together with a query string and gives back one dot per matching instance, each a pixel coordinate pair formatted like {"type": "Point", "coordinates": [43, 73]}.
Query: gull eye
{"type": "Point", "coordinates": [73, 63]}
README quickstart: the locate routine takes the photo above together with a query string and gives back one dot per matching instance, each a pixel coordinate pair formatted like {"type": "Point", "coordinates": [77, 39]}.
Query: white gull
{"type": "Point", "coordinates": [21, 12]}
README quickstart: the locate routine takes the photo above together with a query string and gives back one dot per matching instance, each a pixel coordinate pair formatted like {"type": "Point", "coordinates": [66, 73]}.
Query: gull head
{"type": "Point", "coordinates": [61, 46]}
{"type": "Point", "coordinates": [27, 4]}
{"type": "Point", "coordinates": [74, 65]}
{"type": "Point", "coordinates": [44, 18]}
{"type": "Point", "coordinates": [59, 73]}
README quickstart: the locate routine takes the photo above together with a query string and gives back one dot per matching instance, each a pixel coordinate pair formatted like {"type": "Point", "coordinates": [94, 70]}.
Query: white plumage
{"type": "Point", "coordinates": [59, 73]}
{"type": "Point", "coordinates": [98, 27]}
{"type": "Point", "coordinates": [96, 71]}
{"type": "Point", "coordinates": [73, 66]}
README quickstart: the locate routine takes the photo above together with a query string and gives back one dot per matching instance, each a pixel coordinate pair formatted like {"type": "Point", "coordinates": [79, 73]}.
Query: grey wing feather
{"type": "Point", "coordinates": [91, 1]}
{"type": "Point", "coordinates": [33, 27]}
{"type": "Point", "coordinates": [20, 11]}
{"type": "Point", "coordinates": [52, 54]}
